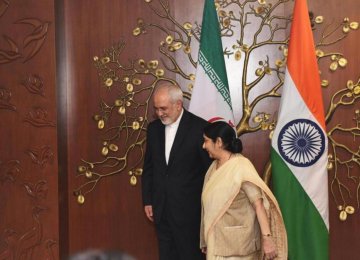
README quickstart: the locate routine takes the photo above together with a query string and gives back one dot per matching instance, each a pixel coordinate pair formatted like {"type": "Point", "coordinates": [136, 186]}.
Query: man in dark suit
{"type": "Point", "coordinates": [173, 173]}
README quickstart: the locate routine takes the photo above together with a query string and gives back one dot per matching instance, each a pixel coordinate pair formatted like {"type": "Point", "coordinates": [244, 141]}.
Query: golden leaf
{"type": "Point", "coordinates": [97, 117]}
{"type": "Point", "coordinates": [187, 26]}
{"type": "Point", "coordinates": [271, 134]}
{"type": "Point", "coordinates": [133, 180]}
{"type": "Point", "coordinates": [177, 45]}
{"type": "Point", "coordinates": [226, 22]}
{"type": "Point", "coordinates": [169, 39]}
{"type": "Point", "coordinates": [324, 83]}
{"type": "Point", "coordinates": [357, 90]}
{"type": "Point", "coordinates": [80, 199]}
{"type": "Point", "coordinates": [237, 55]}
{"type": "Point", "coordinates": [187, 49]}
{"type": "Point", "coordinates": [105, 60]}
{"type": "Point", "coordinates": [135, 125]}
{"type": "Point", "coordinates": [88, 174]}
{"type": "Point", "coordinates": [330, 166]}
{"type": "Point", "coordinates": [136, 81]}
{"type": "Point", "coordinates": [285, 52]}
{"type": "Point", "coordinates": [122, 110]}
{"type": "Point", "coordinates": [319, 19]}
{"type": "Point", "coordinates": [153, 64]}
{"type": "Point", "coordinates": [136, 31]}
{"type": "Point", "coordinates": [141, 119]}
{"type": "Point", "coordinates": [354, 25]}
{"type": "Point", "coordinates": [279, 63]}
{"type": "Point", "coordinates": [109, 82]}
{"type": "Point", "coordinates": [129, 87]}
{"type": "Point", "coordinates": [159, 72]}
{"type": "Point", "coordinates": [222, 13]}
{"type": "Point", "coordinates": [104, 151]}
{"type": "Point", "coordinates": [259, 72]}
{"type": "Point", "coordinates": [101, 124]}
{"type": "Point", "coordinates": [118, 102]}
{"type": "Point", "coordinates": [96, 58]}
{"type": "Point", "coordinates": [267, 70]}
{"type": "Point", "coordinates": [343, 215]}
{"type": "Point", "coordinates": [140, 21]}
{"type": "Point", "coordinates": [350, 84]}
{"type": "Point", "coordinates": [113, 147]}
{"type": "Point", "coordinates": [340, 207]}
{"type": "Point", "coordinates": [138, 171]}
{"type": "Point", "coordinates": [244, 47]}
{"type": "Point", "coordinates": [141, 62]}
{"type": "Point", "coordinates": [190, 87]}
{"type": "Point", "coordinates": [262, 2]}
{"type": "Point", "coordinates": [333, 66]}
{"type": "Point", "coordinates": [264, 127]}
{"type": "Point", "coordinates": [346, 28]}
{"type": "Point", "coordinates": [192, 77]}
{"type": "Point", "coordinates": [257, 119]}
{"type": "Point", "coordinates": [81, 169]}
{"type": "Point", "coordinates": [128, 103]}
{"type": "Point", "coordinates": [130, 173]}
{"type": "Point", "coordinates": [342, 62]}
{"type": "Point", "coordinates": [259, 10]}
{"type": "Point", "coordinates": [349, 210]}
{"type": "Point", "coordinates": [319, 53]}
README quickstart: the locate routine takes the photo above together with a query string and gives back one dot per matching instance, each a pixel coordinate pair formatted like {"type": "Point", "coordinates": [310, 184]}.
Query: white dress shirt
{"type": "Point", "coordinates": [170, 132]}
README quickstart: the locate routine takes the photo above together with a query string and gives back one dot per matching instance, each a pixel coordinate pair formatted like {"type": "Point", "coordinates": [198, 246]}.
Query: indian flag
{"type": "Point", "coordinates": [210, 98]}
{"type": "Point", "coordinates": [299, 147]}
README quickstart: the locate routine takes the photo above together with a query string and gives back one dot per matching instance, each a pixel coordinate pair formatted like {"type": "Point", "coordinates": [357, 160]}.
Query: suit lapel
{"type": "Point", "coordinates": [180, 134]}
{"type": "Point", "coordinates": [162, 141]}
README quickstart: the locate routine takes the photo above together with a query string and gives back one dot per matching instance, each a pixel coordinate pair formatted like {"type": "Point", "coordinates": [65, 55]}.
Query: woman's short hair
{"type": "Point", "coordinates": [223, 130]}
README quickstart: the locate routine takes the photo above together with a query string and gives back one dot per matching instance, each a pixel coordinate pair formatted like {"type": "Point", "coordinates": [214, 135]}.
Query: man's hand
{"type": "Point", "coordinates": [149, 212]}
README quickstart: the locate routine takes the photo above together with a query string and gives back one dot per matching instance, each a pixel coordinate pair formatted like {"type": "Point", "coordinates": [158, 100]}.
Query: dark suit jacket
{"type": "Point", "coordinates": [178, 185]}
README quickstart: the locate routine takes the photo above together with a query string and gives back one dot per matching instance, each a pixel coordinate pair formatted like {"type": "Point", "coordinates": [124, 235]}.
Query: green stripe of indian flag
{"type": "Point", "coordinates": [306, 230]}
{"type": "Point", "coordinates": [210, 98]}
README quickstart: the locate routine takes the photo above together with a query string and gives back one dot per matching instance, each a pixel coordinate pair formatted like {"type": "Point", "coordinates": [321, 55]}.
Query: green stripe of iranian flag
{"type": "Point", "coordinates": [299, 147]}
{"type": "Point", "coordinates": [210, 98]}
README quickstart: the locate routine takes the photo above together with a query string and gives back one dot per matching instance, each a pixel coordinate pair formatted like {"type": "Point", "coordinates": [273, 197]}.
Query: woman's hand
{"type": "Point", "coordinates": [269, 248]}
{"type": "Point", "coordinates": [203, 250]}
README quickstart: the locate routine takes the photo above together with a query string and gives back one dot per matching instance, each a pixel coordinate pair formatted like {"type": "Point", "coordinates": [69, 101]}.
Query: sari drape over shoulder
{"type": "Point", "coordinates": [221, 186]}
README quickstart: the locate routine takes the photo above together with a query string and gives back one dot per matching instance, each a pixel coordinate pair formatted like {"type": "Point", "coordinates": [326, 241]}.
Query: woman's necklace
{"type": "Point", "coordinates": [219, 163]}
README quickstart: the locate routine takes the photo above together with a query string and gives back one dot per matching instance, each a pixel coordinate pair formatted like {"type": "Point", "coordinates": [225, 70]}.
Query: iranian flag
{"type": "Point", "coordinates": [210, 98]}
{"type": "Point", "coordinates": [299, 147]}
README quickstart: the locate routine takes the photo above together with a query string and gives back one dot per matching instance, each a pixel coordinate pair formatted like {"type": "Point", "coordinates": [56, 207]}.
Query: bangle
{"type": "Point", "coordinates": [266, 235]}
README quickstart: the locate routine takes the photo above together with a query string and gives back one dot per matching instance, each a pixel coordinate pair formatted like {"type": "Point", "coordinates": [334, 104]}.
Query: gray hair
{"type": "Point", "coordinates": [175, 93]}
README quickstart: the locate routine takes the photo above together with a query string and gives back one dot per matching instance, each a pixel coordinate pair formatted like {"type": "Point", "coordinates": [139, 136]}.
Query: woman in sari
{"type": "Point", "coordinates": [241, 218]}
